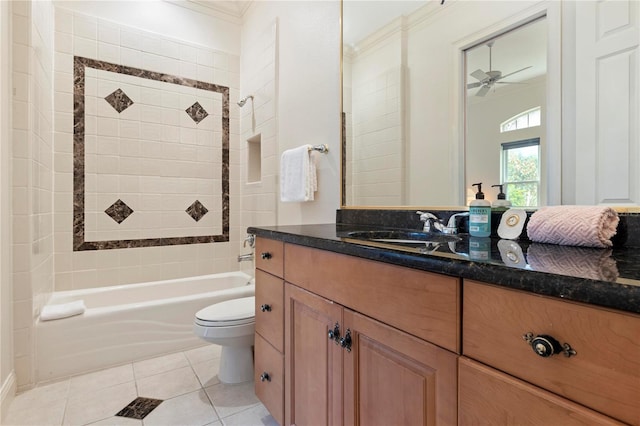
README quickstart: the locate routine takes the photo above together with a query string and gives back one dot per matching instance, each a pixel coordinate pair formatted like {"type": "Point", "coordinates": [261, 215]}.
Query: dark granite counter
{"type": "Point", "coordinates": [602, 277]}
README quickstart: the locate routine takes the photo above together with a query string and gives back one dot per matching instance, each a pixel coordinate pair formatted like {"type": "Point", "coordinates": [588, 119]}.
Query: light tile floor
{"type": "Point", "coordinates": [186, 381]}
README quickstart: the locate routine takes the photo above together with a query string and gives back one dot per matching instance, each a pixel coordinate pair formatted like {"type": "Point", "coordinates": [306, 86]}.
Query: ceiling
{"type": "Point", "coordinates": [235, 8]}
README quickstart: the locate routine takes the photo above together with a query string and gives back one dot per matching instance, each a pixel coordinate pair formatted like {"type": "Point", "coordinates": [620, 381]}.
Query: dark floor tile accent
{"type": "Point", "coordinates": [196, 112]}
{"type": "Point", "coordinates": [196, 210]}
{"type": "Point", "coordinates": [139, 408]}
{"type": "Point", "coordinates": [119, 100]}
{"type": "Point", "coordinates": [119, 211]}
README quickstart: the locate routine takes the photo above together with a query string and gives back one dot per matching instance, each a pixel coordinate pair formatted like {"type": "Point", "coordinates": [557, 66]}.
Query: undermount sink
{"type": "Point", "coordinates": [404, 237]}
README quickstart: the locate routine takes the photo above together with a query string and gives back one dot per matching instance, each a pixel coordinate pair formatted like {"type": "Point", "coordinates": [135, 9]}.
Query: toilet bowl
{"type": "Point", "coordinates": [230, 324]}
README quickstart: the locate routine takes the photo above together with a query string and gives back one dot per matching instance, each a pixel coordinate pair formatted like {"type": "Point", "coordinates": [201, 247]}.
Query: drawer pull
{"type": "Point", "coordinates": [265, 377]}
{"type": "Point", "coordinates": [335, 333]}
{"type": "Point", "coordinates": [265, 308]}
{"type": "Point", "coordinates": [265, 255]}
{"type": "Point", "coordinates": [545, 346]}
{"type": "Point", "coordinates": [345, 342]}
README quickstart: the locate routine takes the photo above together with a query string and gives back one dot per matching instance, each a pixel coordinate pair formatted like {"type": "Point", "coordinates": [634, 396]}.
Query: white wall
{"type": "Point", "coordinates": [259, 122]}
{"type": "Point", "coordinates": [32, 174]}
{"type": "Point", "coordinates": [308, 93]}
{"type": "Point", "coordinates": [7, 376]}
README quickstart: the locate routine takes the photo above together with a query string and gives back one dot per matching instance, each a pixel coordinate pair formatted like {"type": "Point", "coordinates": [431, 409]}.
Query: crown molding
{"type": "Point", "coordinates": [230, 11]}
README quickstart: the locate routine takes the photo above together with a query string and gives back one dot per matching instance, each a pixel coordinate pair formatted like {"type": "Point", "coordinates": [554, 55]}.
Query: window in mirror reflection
{"type": "Point", "coordinates": [523, 120]}
{"type": "Point", "coordinates": [521, 172]}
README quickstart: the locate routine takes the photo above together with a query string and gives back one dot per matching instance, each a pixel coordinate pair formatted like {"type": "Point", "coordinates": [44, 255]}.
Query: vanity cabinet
{"type": "Point", "coordinates": [489, 397]}
{"type": "Point", "coordinates": [601, 371]}
{"type": "Point", "coordinates": [269, 335]}
{"type": "Point", "coordinates": [346, 359]}
{"type": "Point", "coordinates": [347, 340]}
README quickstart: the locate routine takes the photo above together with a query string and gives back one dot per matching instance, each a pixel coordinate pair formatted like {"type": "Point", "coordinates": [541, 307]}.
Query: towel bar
{"type": "Point", "coordinates": [320, 148]}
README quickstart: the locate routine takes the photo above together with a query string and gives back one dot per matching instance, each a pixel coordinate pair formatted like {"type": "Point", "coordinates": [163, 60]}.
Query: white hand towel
{"type": "Point", "coordinates": [64, 310]}
{"type": "Point", "coordinates": [298, 180]}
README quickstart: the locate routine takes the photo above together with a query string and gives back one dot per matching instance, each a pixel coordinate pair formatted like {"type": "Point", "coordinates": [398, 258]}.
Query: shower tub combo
{"type": "Point", "coordinates": [130, 322]}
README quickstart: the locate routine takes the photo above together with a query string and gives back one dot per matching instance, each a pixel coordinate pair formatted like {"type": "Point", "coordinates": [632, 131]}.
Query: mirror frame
{"type": "Point", "coordinates": [552, 152]}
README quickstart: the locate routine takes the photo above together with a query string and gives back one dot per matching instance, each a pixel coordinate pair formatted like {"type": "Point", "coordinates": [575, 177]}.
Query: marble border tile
{"type": "Point", "coordinates": [79, 242]}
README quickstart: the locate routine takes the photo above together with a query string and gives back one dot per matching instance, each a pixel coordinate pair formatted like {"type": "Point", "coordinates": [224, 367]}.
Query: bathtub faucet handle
{"type": "Point", "coordinates": [251, 239]}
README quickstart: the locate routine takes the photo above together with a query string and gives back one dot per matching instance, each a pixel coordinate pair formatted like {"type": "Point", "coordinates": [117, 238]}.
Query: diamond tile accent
{"type": "Point", "coordinates": [119, 211]}
{"type": "Point", "coordinates": [119, 100]}
{"type": "Point", "coordinates": [139, 408]}
{"type": "Point", "coordinates": [196, 112]}
{"type": "Point", "coordinates": [196, 210]}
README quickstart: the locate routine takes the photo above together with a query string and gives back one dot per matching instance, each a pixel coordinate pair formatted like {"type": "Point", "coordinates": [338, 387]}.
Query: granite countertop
{"type": "Point", "coordinates": [602, 277]}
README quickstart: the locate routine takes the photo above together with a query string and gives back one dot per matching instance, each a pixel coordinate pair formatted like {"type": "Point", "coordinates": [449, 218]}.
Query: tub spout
{"type": "Point", "coordinates": [245, 257]}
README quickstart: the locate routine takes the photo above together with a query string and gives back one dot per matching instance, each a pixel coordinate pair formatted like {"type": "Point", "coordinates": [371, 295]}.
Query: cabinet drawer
{"type": "Point", "coordinates": [269, 256]}
{"type": "Point", "coordinates": [489, 397]}
{"type": "Point", "coordinates": [605, 372]}
{"type": "Point", "coordinates": [270, 308]}
{"type": "Point", "coordinates": [268, 361]}
{"type": "Point", "coordinates": [423, 304]}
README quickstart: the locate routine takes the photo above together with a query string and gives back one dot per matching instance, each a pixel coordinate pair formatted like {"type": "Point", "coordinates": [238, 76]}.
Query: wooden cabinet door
{"type": "Point", "coordinates": [313, 363]}
{"type": "Point", "coordinates": [489, 397]}
{"type": "Point", "coordinates": [393, 378]}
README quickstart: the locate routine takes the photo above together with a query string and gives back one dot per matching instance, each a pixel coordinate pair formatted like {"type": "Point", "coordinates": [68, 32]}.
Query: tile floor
{"type": "Point", "coordinates": [187, 382]}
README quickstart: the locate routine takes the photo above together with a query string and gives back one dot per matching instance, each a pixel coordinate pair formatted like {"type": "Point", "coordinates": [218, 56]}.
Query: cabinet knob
{"type": "Point", "coordinates": [345, 342]}
{"type": "Point", "coordinates": [265, 308]}
{"type": "Point", "coordinates": [265, 377]}
{"type": "Point", "coordinates": [265, 255]}
{"type": "Point", "coordinates": [545, 346]}
{"type": "Point", "coordinates": [335, 333]}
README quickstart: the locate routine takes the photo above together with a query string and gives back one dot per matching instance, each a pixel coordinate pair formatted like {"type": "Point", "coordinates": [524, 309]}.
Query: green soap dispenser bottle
{"type": "Point", "coordinates": [501, 204]}
{"type": "Point", "coordinates": [479, 215]}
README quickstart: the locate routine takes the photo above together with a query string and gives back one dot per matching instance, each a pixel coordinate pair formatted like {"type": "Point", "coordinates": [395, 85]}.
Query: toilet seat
{"type": "Point", "coordinates": [228, 313]}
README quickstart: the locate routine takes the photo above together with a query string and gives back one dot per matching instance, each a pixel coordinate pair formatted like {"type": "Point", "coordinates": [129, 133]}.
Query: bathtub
{"type": "Point", "coordinates": [127, 323]}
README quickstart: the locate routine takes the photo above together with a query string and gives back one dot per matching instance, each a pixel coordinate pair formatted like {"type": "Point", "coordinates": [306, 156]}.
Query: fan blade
{"type": "Point", "coordinates": [473, 85]}
{"type": "Point", "coordinates": [483, 90]}
{"type": "Point", "coordinates": [512, 73]}
{"type": "Point", "coordinates": [479, 75]}
{"type": "Point", "coordinates": [509, 82]}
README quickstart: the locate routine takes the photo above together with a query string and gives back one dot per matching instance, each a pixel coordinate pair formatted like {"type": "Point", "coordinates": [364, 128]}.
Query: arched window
{"type": "Point", "coordinates": [529, 118]}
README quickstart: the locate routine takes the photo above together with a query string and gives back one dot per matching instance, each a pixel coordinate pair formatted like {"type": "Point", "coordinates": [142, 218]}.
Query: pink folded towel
{"type": "Point", "coordinates": [586, 226]}
{"type": "Point", "coordinates": [573, 261]}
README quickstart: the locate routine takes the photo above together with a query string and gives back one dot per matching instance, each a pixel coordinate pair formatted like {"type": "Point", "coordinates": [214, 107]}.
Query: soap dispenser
{"type": "Point", "coordinates": [501, 204]}
{"type": "Point", "coordinates": [479, 215]}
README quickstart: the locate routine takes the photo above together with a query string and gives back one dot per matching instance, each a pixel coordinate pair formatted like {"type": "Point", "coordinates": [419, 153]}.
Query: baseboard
{"type": "Point", "coordinates": [7, 394]}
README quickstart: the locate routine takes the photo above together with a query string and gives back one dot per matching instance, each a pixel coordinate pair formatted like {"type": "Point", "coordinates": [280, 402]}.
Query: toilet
{"type": "Point", "coordinates": [230, 324]}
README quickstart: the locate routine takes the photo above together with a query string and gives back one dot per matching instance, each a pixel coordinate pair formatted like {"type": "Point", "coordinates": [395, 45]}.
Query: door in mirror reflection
{"type": "Point", "coordinates": [505, 80]}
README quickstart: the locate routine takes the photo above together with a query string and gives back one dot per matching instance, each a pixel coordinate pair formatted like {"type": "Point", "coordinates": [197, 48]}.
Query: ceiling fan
{"type": "Point", "coordinates": [486, 80]}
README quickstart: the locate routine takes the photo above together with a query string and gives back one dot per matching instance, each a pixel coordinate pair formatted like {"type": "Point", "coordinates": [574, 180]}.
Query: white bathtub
{"type": "Point", "coordinates": [130, 322]}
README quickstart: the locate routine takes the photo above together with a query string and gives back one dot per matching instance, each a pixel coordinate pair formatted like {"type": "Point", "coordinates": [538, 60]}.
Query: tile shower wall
{"type": "Point", "coordinates": [377, 132]}
{"type": "Point", "coordinates": [259, 78]}
{"type": "Point", "coordinates": [32, 168]}
{"type": "Point", "coordinates": [151, 153]}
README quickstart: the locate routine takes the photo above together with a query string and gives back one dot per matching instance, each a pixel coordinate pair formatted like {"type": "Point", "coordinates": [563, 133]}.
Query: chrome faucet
{"type": "Point", "coordinates": [251, 239]}
{"type": "Point", "coordinates": [431, 222]}
{"type": "Point", "coordinates": [452, 227]}
{"type": "Point", "coordinates": [245, 257]}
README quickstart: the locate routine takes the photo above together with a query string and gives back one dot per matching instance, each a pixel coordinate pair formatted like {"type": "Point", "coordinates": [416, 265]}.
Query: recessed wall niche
{"type": "Point", "coordinates": [254, 159]}
{"type": "Point", "coordinates": [151, 158]}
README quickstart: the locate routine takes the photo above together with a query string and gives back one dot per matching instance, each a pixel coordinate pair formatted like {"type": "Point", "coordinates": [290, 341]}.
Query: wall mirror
{"type": "Point", "coordinates": [423, 102]}
{"type": "Point", "coordinates": [504, 116]}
